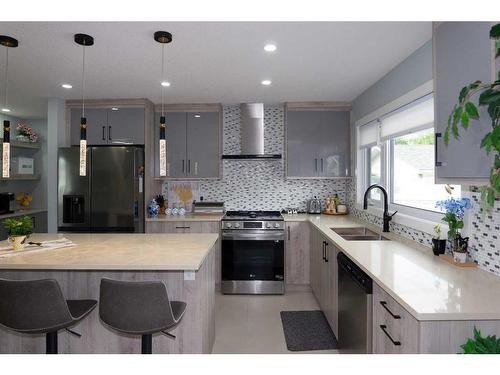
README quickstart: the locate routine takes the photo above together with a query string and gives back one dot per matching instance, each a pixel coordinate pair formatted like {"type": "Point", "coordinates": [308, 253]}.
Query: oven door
{"type": "Point", "coordinates": [253, 256]}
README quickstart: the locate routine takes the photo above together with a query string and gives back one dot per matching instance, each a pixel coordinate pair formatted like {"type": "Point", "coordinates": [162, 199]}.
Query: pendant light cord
{"type": "Point", "coordinates": [162, 79]}
{"type": "Point", "coordinates": [6, 75]}
{"type": "Point", "coordinates": [83, 82]}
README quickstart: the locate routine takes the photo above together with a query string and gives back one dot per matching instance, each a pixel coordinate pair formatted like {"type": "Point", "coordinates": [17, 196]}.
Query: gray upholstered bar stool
{"type": "Point", "coordinates": [38, 306]}
{"type": "Point", "coordinates": [139, 308]}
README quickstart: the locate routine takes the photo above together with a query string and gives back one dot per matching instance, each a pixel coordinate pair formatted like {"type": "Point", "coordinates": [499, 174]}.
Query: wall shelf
{"type": "Point", "coordinates": [21, 177]}
{"type": "Point", "coordinates": [25, 145]}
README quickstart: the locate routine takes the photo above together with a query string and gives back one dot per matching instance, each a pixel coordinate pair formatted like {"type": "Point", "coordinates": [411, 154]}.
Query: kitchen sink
{"type": "Point", "coordinates": [359, 234]}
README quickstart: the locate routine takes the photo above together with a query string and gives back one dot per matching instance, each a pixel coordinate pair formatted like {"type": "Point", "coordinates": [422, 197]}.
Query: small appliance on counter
{"type": "Point", "coordinates": [5, 203]}
{"type": "Point", "coordinates": [314, 206]}
{"type": "Point", "coordinates": [203, 207]}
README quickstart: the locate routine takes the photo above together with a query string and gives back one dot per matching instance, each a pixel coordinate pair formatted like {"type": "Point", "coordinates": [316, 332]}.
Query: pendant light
{"type": "Point", "coordinates": [163, 37]}
{"type": "Point", "coordinates": [7, 42]}
{"type": "Point", "coordinates": [83, 40]}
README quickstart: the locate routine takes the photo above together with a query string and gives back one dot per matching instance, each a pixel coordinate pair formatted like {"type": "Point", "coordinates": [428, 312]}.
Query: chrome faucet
{"type": "Point", "coordinates": [387, 217]}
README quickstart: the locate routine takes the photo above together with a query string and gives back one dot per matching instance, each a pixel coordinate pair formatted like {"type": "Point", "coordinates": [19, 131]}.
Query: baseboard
{"type": "Point", "coordinates": [297, 288]}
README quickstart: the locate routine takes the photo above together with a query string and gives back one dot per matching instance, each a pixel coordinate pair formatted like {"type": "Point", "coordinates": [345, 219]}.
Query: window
{"type": "Point", "coordinates": [374, 169]}
{"type": "Point", "coordinates": [399, 155]}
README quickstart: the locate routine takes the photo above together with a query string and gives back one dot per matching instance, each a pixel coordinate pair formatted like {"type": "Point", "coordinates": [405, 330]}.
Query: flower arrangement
{"type": "Point", "coordinates": [454, 214]}
{"type": "Point", "coordinates": [22, 226]}
{"type": "Point", "coordinates": [27, 132]}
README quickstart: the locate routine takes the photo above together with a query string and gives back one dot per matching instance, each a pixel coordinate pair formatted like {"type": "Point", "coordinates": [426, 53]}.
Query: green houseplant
{"type": "Point", "coordinates": [481, 345]}
{"type": "Point", "coordinates": [19, 229]}
{"type": "Point", "coordinates": [465, 111]}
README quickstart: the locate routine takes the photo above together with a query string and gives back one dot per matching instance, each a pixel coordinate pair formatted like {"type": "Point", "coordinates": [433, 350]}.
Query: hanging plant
{"type": "Point", "coordinates": [465, 111]}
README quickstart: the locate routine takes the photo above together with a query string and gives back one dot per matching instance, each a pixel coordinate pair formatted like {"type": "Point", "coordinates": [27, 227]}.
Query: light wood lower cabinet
{"type": "Point", "coordinates": [396, 331]}
{"type": "Point", "coordinates": [297, 254]}
{"type": "Point", "coordinates": [191, 227]}
{"type": "Point", "coordinates": [324, 276]}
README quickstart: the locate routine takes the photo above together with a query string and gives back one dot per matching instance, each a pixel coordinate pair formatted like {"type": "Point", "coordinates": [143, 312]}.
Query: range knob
{"type": "Point", "coordinates": [268, 225]}
{"type": "Point", "coordinates": [276, 225]}
{"type": "Point", "coordinates": [237, 225]}
{"type": "Point", "coordinates": [228, 225]}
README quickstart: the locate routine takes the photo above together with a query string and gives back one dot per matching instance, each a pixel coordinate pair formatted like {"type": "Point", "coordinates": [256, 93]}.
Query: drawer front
{"type": "Point", "coordinates": [395, 330]}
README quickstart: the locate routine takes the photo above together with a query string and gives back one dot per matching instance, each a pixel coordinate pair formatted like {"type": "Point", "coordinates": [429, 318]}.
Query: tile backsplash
{"type": "Point", "coordinates": [261, 184]}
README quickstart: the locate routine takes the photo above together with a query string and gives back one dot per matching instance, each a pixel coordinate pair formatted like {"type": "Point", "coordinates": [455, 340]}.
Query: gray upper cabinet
{"type": "Point", "coordinates": [107, 127]}
{"type": "Point", "coordinates": [97, 123]}
{"type": "Point", "coordinates": [193, 146]}
{"type": "Point", "coordinates": [126, 126]}
{"type": "Point", "coordinates": [203, 149]}
{"type": "Point", "coordinates": [317, 143]}
{"type": "Point", "coordinates": [462, 54]}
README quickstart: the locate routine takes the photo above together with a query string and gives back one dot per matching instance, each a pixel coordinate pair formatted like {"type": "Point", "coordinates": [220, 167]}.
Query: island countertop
{"type": "Point", "coordinates": [148, 252]}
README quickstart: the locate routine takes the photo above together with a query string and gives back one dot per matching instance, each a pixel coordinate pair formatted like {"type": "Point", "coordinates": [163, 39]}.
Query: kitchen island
{"type": "Point", "coordinates": [185, 262]}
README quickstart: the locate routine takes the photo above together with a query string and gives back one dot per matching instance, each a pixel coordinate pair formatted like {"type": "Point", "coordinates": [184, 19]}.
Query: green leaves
{"type": "Point", "coordinates": [463, 93]}
{"type": "Point", "coordinates": [471, 110]}
{"type": "Point", "coordinates": [22, 226]}
{"type": "Point", "coordinates": [481, 345]}
{"type": "Point", "coordinates": [489, 96]}
{"type": "Point", "coordinates": [495, 31]}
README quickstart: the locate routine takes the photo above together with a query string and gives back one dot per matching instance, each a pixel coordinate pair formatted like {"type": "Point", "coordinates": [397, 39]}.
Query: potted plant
{"type": "Point", "coordinates": [454, 215]}
{"type": "Point", "coordinates": [438, 244]}
{"type": "Point", "coordinates": [19, 230]}
{"type": "Point", "coordinates": [160, 200]}
{"type": "Point", "coordinates": [481, 345]}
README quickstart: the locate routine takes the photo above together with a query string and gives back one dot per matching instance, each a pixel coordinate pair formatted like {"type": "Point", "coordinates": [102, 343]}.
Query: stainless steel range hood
{"type": "Point", "coordinates": [252, 134]}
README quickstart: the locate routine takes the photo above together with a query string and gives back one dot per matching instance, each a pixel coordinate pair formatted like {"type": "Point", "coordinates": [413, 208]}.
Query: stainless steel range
{"type": "Point", "coordinates": [253, 252]}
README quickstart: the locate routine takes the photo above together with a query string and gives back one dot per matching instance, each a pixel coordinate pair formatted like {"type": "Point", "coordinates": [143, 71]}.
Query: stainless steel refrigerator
{"type": "Point", "coordinates": [110, 198]}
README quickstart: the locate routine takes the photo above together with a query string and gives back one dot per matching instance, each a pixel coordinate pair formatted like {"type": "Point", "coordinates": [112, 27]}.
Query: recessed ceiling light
{"type": "Point", "coordinates": [114, 109]}
{"type": "Point", "coordinates": [165, 84]}
{"type": "Point", "coordinates": [266, 82]}
{"type": "Point", "coordinates": [5, 110]}
{"type": "Point", "coordinates": [270, 47]}
{"type": "Point", "coordinates": [66, 86]}
{"type": "Point", "coordinates": [197, 116]}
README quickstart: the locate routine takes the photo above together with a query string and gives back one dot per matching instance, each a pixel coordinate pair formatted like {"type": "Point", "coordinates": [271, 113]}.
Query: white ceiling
{"type": "Point", "coordinates": [206, 62]}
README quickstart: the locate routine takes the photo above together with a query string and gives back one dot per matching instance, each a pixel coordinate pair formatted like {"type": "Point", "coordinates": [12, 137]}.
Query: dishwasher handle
{"type": "Point", "coordinates": [356, 273]}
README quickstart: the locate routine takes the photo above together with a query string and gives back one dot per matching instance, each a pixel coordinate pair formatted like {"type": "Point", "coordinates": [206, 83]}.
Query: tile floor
{"type": "Point", "coordinates": [252, 324]}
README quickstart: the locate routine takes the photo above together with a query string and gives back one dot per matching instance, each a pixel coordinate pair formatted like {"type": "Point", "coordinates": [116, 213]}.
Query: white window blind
{"type": "Point", "coordinates": [369, 134]}
{"type": "Point", "coordinates": [415, 116]}
{"type": "Point", "coordinates": [410, 118]}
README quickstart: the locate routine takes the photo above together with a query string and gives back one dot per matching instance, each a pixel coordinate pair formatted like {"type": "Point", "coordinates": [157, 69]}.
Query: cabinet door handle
{"type": "Point", "coordinates": [109, 133]}
{"type": "Point", "coordinates": [288, 230]}
{"type": "Point", "coordinates": [103, 131]}
{"type": "Point", "coordinates": [189, 166]}
{"type": "Point", "coordinates": [384, 305]}
{"type": "Point", "coordinates": [182, 227]}
{"type": "Point", "coordinates": [322, 170]}
{"type": "Point", "coordinates": [182, 165]}
{"type": "Point", "coordinates": [326, 252]}
{"type": "Point", "coordinates": [436, 162]}
{"type": "Point", "coordinates": [315, 165]}
{"type": "Point", "coordinates": [383, 327]}
{"type": "Point", "coordinates": [196, 168]}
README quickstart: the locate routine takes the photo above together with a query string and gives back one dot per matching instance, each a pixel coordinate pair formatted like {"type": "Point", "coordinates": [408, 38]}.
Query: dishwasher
{"type": "Point", "coordinates": [355, 307]}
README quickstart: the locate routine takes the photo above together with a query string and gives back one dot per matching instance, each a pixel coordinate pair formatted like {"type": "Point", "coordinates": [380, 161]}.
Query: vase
{"type": "Point", "coordinates": [162, 210]}
{"type": "Point", "coordinates": [22, 138]}
{"type": "Point", "coordinates": [459, 257]}
{"type": "Point", "coordinates": [153, 208]}
{"type": "Point", "coordinates": [18, 242]}
{"type": "Point", "coordinates": [460, 245]}
{"type": "Point", "coordinates": [438, 246]}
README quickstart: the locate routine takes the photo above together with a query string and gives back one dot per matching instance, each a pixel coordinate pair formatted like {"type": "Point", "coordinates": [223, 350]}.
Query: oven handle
{"type": "Point", "coordinates": [280, 236]}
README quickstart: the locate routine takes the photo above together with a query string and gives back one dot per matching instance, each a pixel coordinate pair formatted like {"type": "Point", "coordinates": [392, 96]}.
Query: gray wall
{"type": "Point", "coordinates": [414, 71]}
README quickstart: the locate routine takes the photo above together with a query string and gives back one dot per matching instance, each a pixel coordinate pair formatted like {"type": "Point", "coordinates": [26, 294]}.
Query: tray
{"type": "Point", "coordinates": [335, 213]}
{"type": "Point", "coordinates": [449, 259]}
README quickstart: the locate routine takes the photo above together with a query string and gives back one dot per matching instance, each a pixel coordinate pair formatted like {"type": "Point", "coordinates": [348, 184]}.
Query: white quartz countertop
{"type": "Point", "coordinates": [142, 252]}
{"type": "Point", "coordinates": [426, 286]}
{"type": "Point", "coordinates": [188, 217]}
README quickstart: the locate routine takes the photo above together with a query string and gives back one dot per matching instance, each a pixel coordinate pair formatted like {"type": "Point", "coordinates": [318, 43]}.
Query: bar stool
{"type": "Point", "coordinates": [139, 308]}
{"type": "Point", "coordinates": [38, 306]}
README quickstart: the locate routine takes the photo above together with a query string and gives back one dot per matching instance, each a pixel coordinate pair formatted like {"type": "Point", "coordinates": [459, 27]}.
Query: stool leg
{"type": "Point", "coordinates": [51, 342]}
{"type": "Point", "coordinates": [147, 344]}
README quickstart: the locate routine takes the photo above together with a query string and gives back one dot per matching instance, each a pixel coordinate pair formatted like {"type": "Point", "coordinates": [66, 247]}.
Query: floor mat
{"type": "Point", "coordinates": [307, 330]}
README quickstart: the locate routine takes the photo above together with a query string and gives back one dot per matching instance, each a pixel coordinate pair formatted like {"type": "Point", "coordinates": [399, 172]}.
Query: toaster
{"type": "Point", "coordinates": [314, 206]}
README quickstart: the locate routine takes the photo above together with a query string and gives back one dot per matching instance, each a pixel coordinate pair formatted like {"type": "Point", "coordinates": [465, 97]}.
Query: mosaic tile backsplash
{"type": "Point", "coordinates": [261, 184]}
